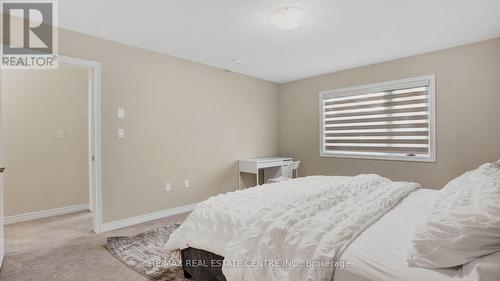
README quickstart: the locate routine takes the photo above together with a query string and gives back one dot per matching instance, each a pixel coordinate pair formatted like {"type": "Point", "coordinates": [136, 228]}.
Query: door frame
{"type": "Point", "coordinates": [95, 180]}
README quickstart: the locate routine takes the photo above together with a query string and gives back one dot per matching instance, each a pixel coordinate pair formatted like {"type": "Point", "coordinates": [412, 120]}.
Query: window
{"type": "Point", "coordinates": [391, 120]}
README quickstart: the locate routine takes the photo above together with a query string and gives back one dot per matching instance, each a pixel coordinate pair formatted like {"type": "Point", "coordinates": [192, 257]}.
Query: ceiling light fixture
{"type": "Point", "coordinates": [236, 61]}
{"type": "Point", "coordinates": [287, 18]}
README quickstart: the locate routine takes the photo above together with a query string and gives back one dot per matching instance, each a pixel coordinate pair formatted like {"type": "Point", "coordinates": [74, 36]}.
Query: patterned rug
{"type": "Point", "coordinates": [145, 254]}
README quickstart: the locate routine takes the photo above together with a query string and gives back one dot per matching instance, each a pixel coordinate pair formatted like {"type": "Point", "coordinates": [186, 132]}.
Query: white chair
{"type": "Point", "coordinates": [288, 172]}
{"type": "Point", "coordinates": [294, 167]}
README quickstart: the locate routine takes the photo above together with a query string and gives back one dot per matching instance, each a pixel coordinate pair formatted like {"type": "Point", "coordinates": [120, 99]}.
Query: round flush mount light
{"type": "Point", "coordinates": [287, 18]}
{"type": "Point", "coordinates": [236, 61]}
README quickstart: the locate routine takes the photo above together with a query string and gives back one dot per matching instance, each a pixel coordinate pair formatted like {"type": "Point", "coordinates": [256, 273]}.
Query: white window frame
{"type": "Point", "coordinates": [384, 86]}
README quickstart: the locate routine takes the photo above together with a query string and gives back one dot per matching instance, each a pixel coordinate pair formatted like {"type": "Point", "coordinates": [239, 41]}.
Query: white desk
{"type": "Point", "coordinates": [273, 167]}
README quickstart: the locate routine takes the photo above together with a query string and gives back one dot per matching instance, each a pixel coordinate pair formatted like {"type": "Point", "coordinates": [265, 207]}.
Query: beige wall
{"type": "Point", "coordinates": [468, 114]}
{"type": "Point", "coordinates": [184, 120]}
{"type": "Point", "coordinates": [45, 172]}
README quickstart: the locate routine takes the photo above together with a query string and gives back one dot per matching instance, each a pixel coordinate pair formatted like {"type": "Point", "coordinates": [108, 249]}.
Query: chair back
{"type": "Point", "coordinates": [294, 165]}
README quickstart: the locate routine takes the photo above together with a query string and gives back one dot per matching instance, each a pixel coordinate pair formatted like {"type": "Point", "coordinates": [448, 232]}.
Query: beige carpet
{"type": "Point", "coordinates": [65, 248]}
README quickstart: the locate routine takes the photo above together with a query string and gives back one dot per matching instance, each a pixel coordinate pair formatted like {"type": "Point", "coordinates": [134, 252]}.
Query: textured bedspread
{"type": "Point", "coordinates": [294, 230]}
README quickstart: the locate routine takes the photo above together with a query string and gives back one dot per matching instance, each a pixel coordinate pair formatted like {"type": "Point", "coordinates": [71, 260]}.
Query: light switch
{"type": "Point", "coordinates": [168, 187]}
{"type": "Point", "coordinates": [61, 134]}
{"type": "Point", "coordinates": [121, 133]}
{"type": "Point", "coordinates": [186, 183]}
{"type": "Point", "coordinates": [121, 113]}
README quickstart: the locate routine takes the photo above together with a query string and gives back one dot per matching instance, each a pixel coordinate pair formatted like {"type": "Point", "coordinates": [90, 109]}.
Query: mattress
{"type": "Point", "coordinates": [379, 253]}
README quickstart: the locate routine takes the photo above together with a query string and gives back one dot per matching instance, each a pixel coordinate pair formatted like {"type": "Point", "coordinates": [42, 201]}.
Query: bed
{"type": "Point", "coordinates": [374, 252]}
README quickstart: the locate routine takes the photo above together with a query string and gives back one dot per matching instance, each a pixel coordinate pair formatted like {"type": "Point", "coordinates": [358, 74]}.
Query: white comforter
{"type": "Point", "coordinates": [290, 231]}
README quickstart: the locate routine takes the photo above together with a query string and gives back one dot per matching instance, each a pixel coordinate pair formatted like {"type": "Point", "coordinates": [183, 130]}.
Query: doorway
{"type": "Point", "coordinates": [86, 149]}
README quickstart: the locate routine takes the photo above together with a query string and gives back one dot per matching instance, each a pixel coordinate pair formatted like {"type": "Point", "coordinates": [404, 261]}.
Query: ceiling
{"type": "Point", "coordinates": [335, 35]}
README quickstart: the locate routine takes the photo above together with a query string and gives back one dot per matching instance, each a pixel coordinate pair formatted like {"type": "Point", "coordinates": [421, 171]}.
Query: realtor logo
{"type": "Point", "coordinates": [29, 35]}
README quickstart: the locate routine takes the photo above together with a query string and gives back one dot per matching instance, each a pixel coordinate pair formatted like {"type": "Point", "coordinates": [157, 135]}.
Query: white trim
{"type": "Point", "coordinates": [429, 80]}
{"type": "Point", "coordinates": [90, 88]}
{"type": "Point", "coordinates": [45, 213]}
{"type": "Point", "coordinates": [95, 128]}
{"type": "Point", "coordinates": [432, 111]}
{"type": "Point", "coordinates": [147, 217]}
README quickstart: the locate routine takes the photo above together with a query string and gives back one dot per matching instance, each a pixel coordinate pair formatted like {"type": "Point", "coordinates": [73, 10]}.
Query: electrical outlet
{"type": "Point", "coordinates": [168, 187]}
{"type": "Point", "coordinates": [186, 183]}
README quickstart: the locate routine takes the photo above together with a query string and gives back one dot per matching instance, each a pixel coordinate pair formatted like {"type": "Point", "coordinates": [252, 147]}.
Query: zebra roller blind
{"type": "Point", "coordinates": [391, 120]}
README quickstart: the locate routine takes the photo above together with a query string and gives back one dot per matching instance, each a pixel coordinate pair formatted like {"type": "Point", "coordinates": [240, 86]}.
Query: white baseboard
{"type": "Point", "coordinates": [147, 217]}
{"type": "Point", "coordinates": [45, 214]}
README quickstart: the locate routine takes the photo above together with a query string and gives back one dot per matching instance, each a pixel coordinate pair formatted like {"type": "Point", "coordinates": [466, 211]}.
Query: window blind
{"type": "Point", "coordinates": [390, 120]}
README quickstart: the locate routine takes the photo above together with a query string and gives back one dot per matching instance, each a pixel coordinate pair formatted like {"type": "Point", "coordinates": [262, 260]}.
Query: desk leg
{"type": "Point", "coordinates": [239, 180]}
{"type": "Point", "coordinates": [257, 175]}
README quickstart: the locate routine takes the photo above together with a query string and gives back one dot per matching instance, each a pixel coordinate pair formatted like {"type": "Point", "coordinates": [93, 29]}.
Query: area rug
{"type": "Point", "coordinates": [145, 254]}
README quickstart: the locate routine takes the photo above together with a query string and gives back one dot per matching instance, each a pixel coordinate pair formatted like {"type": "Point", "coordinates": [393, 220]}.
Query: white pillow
{"type": "Point", "coordinates": [464, 223]}
{"type": "Point", "coordinates": [485, 268]}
